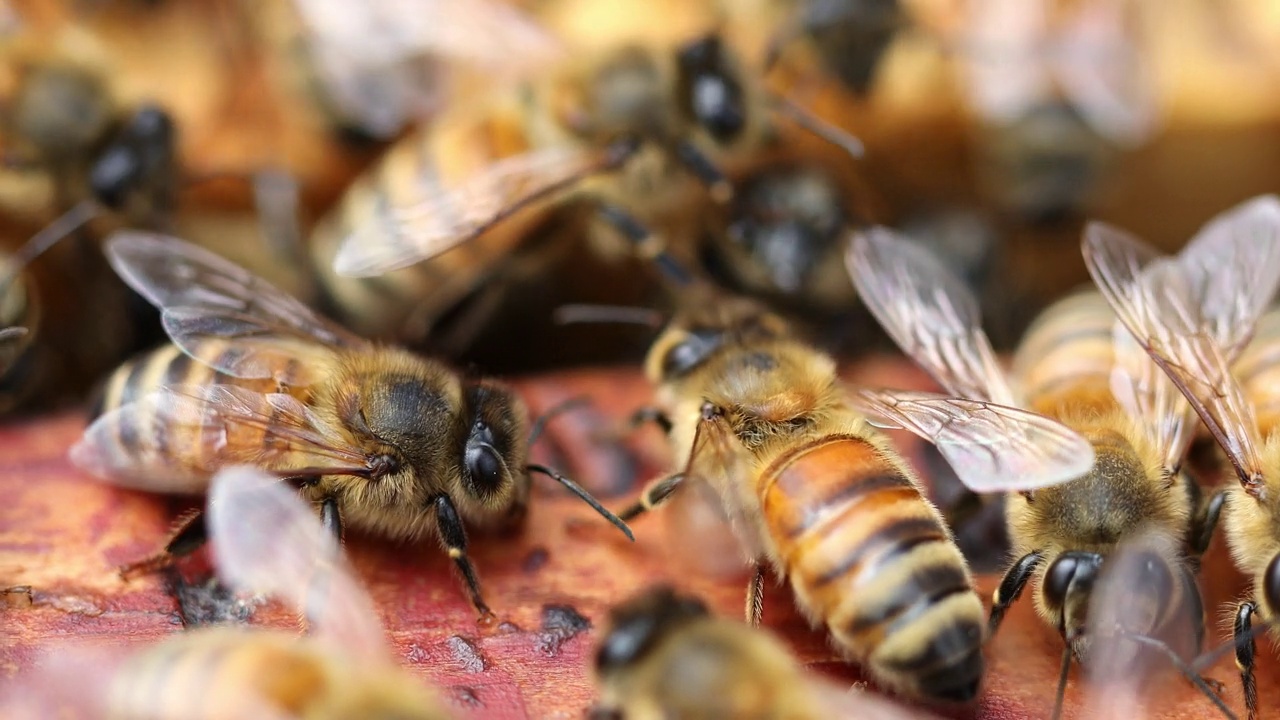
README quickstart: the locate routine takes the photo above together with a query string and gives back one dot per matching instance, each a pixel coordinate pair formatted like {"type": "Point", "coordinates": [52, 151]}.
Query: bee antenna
{"type": "Point", "coordinates": [65, 224]}
{"type": "Point", "coordinates": [540, 423]}
{"type": "Point", "coordinates": [1062, 683]}
{"type": "Point", "coordinates": [572, 313]}
{"type": "Point", "coordinates": [816, 125]}
{"type": "Point", "coordinates": [585, 496]}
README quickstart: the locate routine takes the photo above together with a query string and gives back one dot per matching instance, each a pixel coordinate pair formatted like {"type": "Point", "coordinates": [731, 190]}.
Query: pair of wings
{"type": "Point", "coordinates": [383, 62]}
{"type": "Point", "coordinates": [1195, 313]}
{"type": "Point", "coordinates": [237, 324]}
{"type": "Point", "coordinates": [1014, 52]}
{"type": "Point", "coordinates": [993, 445]}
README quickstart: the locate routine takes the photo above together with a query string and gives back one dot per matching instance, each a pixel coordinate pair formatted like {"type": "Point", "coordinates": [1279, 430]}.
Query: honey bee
{"type": "Point", "coordinates": [815, 491]}
{"type": "Point", "coordinates": [665, 655]}
{"type": "Point", "coordinates": [375, 68]}
{"type": "Point", "coordinates": [1077, 366]}
{"type": "Point", "coordinates": [377, 437]}
{"type": "Point", "coordinates": [1060, 90]}
{"type": "Point", "coordinates": [1195, 316]}
{"type": "Point", "coordinates": [625, 134]}
{"type": "Point", "coordinates": [342, 670]}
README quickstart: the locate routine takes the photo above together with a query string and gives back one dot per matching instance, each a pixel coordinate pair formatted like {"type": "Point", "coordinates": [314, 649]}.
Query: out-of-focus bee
{"type": "Point", "coordinates": [624, 133]}
{"type": "Point", "coordinates": [1077, 366]}
{"type": "Point", "coordinates": [379, 438]}
{"type": "Point", "coordinates": [1194, 316]}
{"type": "Point", "coordinates": [815, 491]}
{"type": "Point", "coordinates": [665, 655]}
{"type": "Point", "coordinates": [1060, 89]}
{"type": "Point", "coordinates": [264, 540]}
{"type": "Point", "coordinates": [376, 67]}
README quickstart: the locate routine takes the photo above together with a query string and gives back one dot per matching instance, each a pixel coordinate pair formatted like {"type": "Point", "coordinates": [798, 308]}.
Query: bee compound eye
{"type": "Point", "coordinates": [1271, 583]}
{"type": "Point", "coordinates": [484, 467]}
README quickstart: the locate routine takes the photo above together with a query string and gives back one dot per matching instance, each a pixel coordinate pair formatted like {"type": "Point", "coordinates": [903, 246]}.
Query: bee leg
{"type": "Point", "coordinates": [647, 245]}
{"type": "Point", "coordinates": [454, 537]}
{"type": "Point", "coordinates": [1015, 579]}
{"type": "Point", "coordinates": [755, 595]}
{"type": "Point", "coordinates": [1245, 649]}
{"type": "Point", "coordinates": [188, 535]}
{"type": "Point", "coordinates": [655, 493]}
{"type": "Point", "coordinates": [1210, 688]}
{"type": "Point", "coordinates": [1206, 522]}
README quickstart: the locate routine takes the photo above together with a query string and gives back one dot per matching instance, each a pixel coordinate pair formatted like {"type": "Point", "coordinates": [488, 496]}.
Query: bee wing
{"type": "Point", "coordinates": [928, 311]}
{"type": "Point", "coordinates": [174, 439]}
{"type": "Point", "coordinates": [266, 539]}
{"type": "Point", "coordinates": [203, 296]}
{"type": "Point", "coordinates": [1146, 393]}
{"type": "Point", "coordinates": [1132, 598]}
{"type": "Point", "coordinates": [717, 460]}
{"type": "Point", "coordinates": [1163, 303]}
{"type": "Point", "coordinates": [993, 448]}
{"type": "Point", "coordinates": [1003, 72]}
{"type": "Point", "coordinates": [438, 217]}
{"type": "Point", "coordinates": [1103, 73]}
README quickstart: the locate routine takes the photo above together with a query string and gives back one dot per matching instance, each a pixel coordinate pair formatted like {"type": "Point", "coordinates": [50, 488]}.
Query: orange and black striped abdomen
{"type": "Point", "coordinates": [143, 436]}
{"type": "Point", "coordinates": [867, 554]}
{"type": "Point", "coordinates": [1066, 356]}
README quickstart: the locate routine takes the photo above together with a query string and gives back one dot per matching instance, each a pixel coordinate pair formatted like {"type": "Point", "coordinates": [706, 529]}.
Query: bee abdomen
{"type": "Point", "coordinates": [1066, 356]}
{"type": "Point", "coordinates": [867, 554]}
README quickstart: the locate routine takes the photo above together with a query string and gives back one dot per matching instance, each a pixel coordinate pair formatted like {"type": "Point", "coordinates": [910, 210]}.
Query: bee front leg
{"type": "Point", "coordinates": [1011, 586]}
{"type": "Point", "coordinates": [655, 493]}
{"type": "Point", "coordinates": [187, 536]}
{"type": "Point", "coordinates": [454, 537]}
{"type": "Point", "coordinates": [1245, 649]}
{"type": "Point", "coordinates": [646, 244]}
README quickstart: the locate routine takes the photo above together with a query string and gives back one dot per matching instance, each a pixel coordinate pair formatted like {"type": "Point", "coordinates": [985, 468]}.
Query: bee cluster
{"type": "Point", "coordinates": [267, 262]}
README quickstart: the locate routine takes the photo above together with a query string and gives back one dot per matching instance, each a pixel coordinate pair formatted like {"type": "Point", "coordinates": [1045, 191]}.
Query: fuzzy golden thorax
{"type": "Point", "coordinates": [425, 432]}
{"type": "Point", "coordinates": [1127, 490]}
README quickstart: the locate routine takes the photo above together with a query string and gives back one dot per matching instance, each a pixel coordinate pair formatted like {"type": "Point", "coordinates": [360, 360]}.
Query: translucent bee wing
{"type": "Point", "coordinates": [1003, 71]}
{"type": "Point", "coordinates": [179, 436]}
{"type": "Point", "coordinates": [267, 540]}
{"type": "Point", "coordinates": [993, 448]}
{"type": "Point", "coordinates": [1103, 74]}
{"type": "Point", "coordinates": [203, 296]}
{"type": "Point", "coordinates": [717, 461]}
{"type": "Point", "coordinates": [1131, 599]}
{"type": "Point", "coordinates": [1181, 323]}
{"type": "Point", "coordinates": [1146, 393]}
{"type": "Point", "coordinates": [438, 217]}
{"type": "Point", "coordinates": [928, 311]}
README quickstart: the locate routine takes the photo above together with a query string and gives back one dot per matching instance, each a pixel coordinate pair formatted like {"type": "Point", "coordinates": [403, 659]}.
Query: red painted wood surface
{"type": "Point", "coordinates": [63, 534]}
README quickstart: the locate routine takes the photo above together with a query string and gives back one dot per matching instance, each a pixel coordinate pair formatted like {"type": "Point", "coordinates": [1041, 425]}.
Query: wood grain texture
{"type": "Point", "coordinates": [62, 534]}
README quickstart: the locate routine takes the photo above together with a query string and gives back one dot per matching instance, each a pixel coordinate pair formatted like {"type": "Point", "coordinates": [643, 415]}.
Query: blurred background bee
{"type": "Point", "coordinates": [664, 654]}
{"type": "Point", "coordinates": [1077, 365]}
{"type": "Point", "coordinates": [1195, 317]}
{"type": "Point", "coordinates": [265, 541]}
{"type": "Point", "coordinates": [379, 438]}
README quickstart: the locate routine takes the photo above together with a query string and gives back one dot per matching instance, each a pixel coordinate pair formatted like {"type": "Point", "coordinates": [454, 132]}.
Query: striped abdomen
{"type": "Point", "coordinates": [1258, 370]}
{"type": "Point", "coordinates": [868, 555]}
{"type": "Point", "coordinates": [151, 442]}
{"type": "Point", "coordinates": [1066, 356]}
{"type": "Point", "coordinates": [401, 303]}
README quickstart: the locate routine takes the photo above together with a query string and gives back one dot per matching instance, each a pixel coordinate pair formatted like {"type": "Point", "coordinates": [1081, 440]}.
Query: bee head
{"type": "Point", "coordinates": [710, 92]}
{"type": "Point", "coordinates": [703, 328]}
{"type": "Point", "coordinates": [639, 624]}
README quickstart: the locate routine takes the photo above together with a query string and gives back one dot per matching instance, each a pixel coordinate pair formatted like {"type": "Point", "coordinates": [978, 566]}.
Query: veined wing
{"type": "Point", "coordinates": [928, 311]}
{"type": "Point", "coordinates": [176, 438]}
{"type": "Point", "coordinates": [1146, 393]}
{"type": "Point", "coordinates": [993, 448]}
{"type": "Point", "coordinates": [441, 217]}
